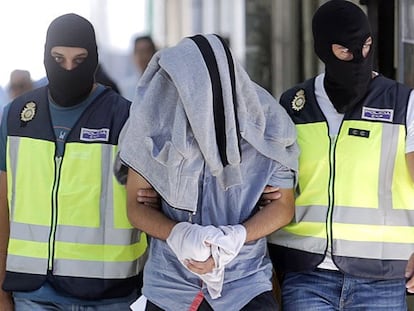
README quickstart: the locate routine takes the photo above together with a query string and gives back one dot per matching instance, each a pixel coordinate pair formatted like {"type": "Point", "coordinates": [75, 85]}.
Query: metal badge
{"type": "Point", "coordinates": [299, 100]}
{"type": "Point", "coordinates": [28, 112]}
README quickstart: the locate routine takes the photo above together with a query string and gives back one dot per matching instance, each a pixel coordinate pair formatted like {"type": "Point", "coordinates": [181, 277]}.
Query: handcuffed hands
{"type": "Point", "coordinates": [206, 250]}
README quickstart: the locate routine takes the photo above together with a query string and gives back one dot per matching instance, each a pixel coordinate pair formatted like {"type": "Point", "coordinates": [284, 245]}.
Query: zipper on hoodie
{"type": "Point", "coordinates": [200, 197]}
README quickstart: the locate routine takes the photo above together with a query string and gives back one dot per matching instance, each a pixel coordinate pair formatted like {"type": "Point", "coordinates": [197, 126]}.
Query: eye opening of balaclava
{"type": "Point", "coordinates": [70, 87]}
{"type": "Point", "coordinates": [343, 22]}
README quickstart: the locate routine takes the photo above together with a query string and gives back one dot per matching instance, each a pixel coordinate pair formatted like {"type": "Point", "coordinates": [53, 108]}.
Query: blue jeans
{"type": "Point", "coordinates": [324, 290]}
{"type": "Point", "coordinates": [22, 304]}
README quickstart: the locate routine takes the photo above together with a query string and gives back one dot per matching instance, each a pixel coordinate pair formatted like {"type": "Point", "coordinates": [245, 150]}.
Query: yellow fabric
{"type": "Point", "coordinates": [313, 164]}
{"type": "Point", "coordinates": [303, 228]}
{"type": "Point", "coordinates": [356, 165]}
{"type": "Point", "coordinates": [79, 202]}
{"type": "Point", "coordinates": [33, 180]}
{"type": "Point", "coordinates": [403, 185]}
{"type": "Point", "coordinates": [79, 198]}
{"type": "Point", "coordinates": [109, 253]}
{"type": "Point", "coordinates": [23, 248]}
{"type": "Point", "coordinates": [120, 217]}
{"type": "Point", "coordinates": [358, 160]}
{"type": "Point", "coordinates": [371, 233]}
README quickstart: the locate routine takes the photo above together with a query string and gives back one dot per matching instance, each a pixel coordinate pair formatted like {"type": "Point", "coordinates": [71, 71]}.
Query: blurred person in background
{"type": "Point", "coordinates": [20, 82]}
{"type": "Point", "coordinates": [144, 49]}
{"type": "Point", "coordinates": [4, 99]}
{"type": "Point", "coordinates": [65, 239]}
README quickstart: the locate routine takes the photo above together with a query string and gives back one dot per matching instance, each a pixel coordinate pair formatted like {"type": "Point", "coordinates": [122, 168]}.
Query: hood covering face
{"type": "Point", "coordinates": [70, 87]}
{"type": "Point", "coordinates": [344, 23]}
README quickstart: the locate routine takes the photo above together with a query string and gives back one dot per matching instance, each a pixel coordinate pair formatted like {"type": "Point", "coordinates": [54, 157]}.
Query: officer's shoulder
{"type": "Point", "coordinates": [301, 88]}
{"type": "Point", "coordinates": [388, 83]}
{"type": "Point", "coordinates": [116, 98]}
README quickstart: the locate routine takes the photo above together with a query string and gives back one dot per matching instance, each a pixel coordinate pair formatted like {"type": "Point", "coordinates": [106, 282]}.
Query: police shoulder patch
{"type": "Point", "coordinates": [28, 112]}
{"type": "Point", "coordinates": [299, 100]}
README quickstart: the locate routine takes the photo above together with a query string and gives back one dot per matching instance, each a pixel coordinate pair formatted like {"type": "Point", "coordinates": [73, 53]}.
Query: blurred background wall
{"type": "Point", "coordinates": [273, 38]}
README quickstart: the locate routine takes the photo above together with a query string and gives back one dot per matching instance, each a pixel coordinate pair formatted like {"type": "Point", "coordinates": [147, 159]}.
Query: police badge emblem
{"type": "Point", "coordinates": [28, 112]}
{"type": "Point", "coordinates": [299, 100]}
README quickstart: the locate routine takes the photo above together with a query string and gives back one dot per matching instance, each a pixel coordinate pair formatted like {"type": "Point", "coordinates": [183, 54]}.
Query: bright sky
{"type": "Point", "coordinates": [23, 26]}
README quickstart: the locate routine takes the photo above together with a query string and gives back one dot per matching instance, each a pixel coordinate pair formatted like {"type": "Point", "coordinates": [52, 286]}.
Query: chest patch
{"type": "Point", "coordinates": [94, 134]}
{"type": "Point", "coordinates": [358, 132]}
{"type": "Point", "coordinates": [377, 114]}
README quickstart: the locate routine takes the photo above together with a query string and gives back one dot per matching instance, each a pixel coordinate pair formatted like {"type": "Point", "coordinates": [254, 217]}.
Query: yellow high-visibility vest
{"type": "Point", "coordinates": [355, 192]}
{"type": "Point", "coordinates": [68, 213]}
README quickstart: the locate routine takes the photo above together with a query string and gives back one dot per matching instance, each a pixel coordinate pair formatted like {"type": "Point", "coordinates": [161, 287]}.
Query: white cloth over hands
{"type": "Point", "coordinates": [192, 241]}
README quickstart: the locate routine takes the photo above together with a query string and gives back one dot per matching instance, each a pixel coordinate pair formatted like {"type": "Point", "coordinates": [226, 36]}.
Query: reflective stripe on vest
{"type": "Point", "coordinates": [93, 237]}
{"type": "Point", "coordinates": [376, 221]}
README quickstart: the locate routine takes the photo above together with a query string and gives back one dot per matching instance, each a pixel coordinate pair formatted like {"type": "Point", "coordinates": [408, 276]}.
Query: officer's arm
{"type": "Point", "coordinates": [5, 298]}
{"type": "Point", "coordinates": [272, 216]}
{"type": "Point", "coordinates": [143, 216]}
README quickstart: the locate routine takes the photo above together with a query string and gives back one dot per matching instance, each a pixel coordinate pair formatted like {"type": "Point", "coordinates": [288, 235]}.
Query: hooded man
{"type": "Point", "coordinates": [63, 222]}
{"type": "Point", "coordinates": [208, 140]}
{"type": "Point", "coordinates": [350, 239]}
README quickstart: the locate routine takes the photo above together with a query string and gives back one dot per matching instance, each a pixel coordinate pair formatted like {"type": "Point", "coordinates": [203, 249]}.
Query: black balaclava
{"type": "Point", "coordinates": [342, 22]}
{"type": "Point", "coordinates": [70, 87]}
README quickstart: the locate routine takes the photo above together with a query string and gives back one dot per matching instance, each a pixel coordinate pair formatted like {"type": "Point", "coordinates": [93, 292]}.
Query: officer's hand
{"type": "Point", "coordinates": [149, 197]}
{"type": "Point", "coordinates": [269, 194]}
{"type": "Point", "coordinates": [409, 274]}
